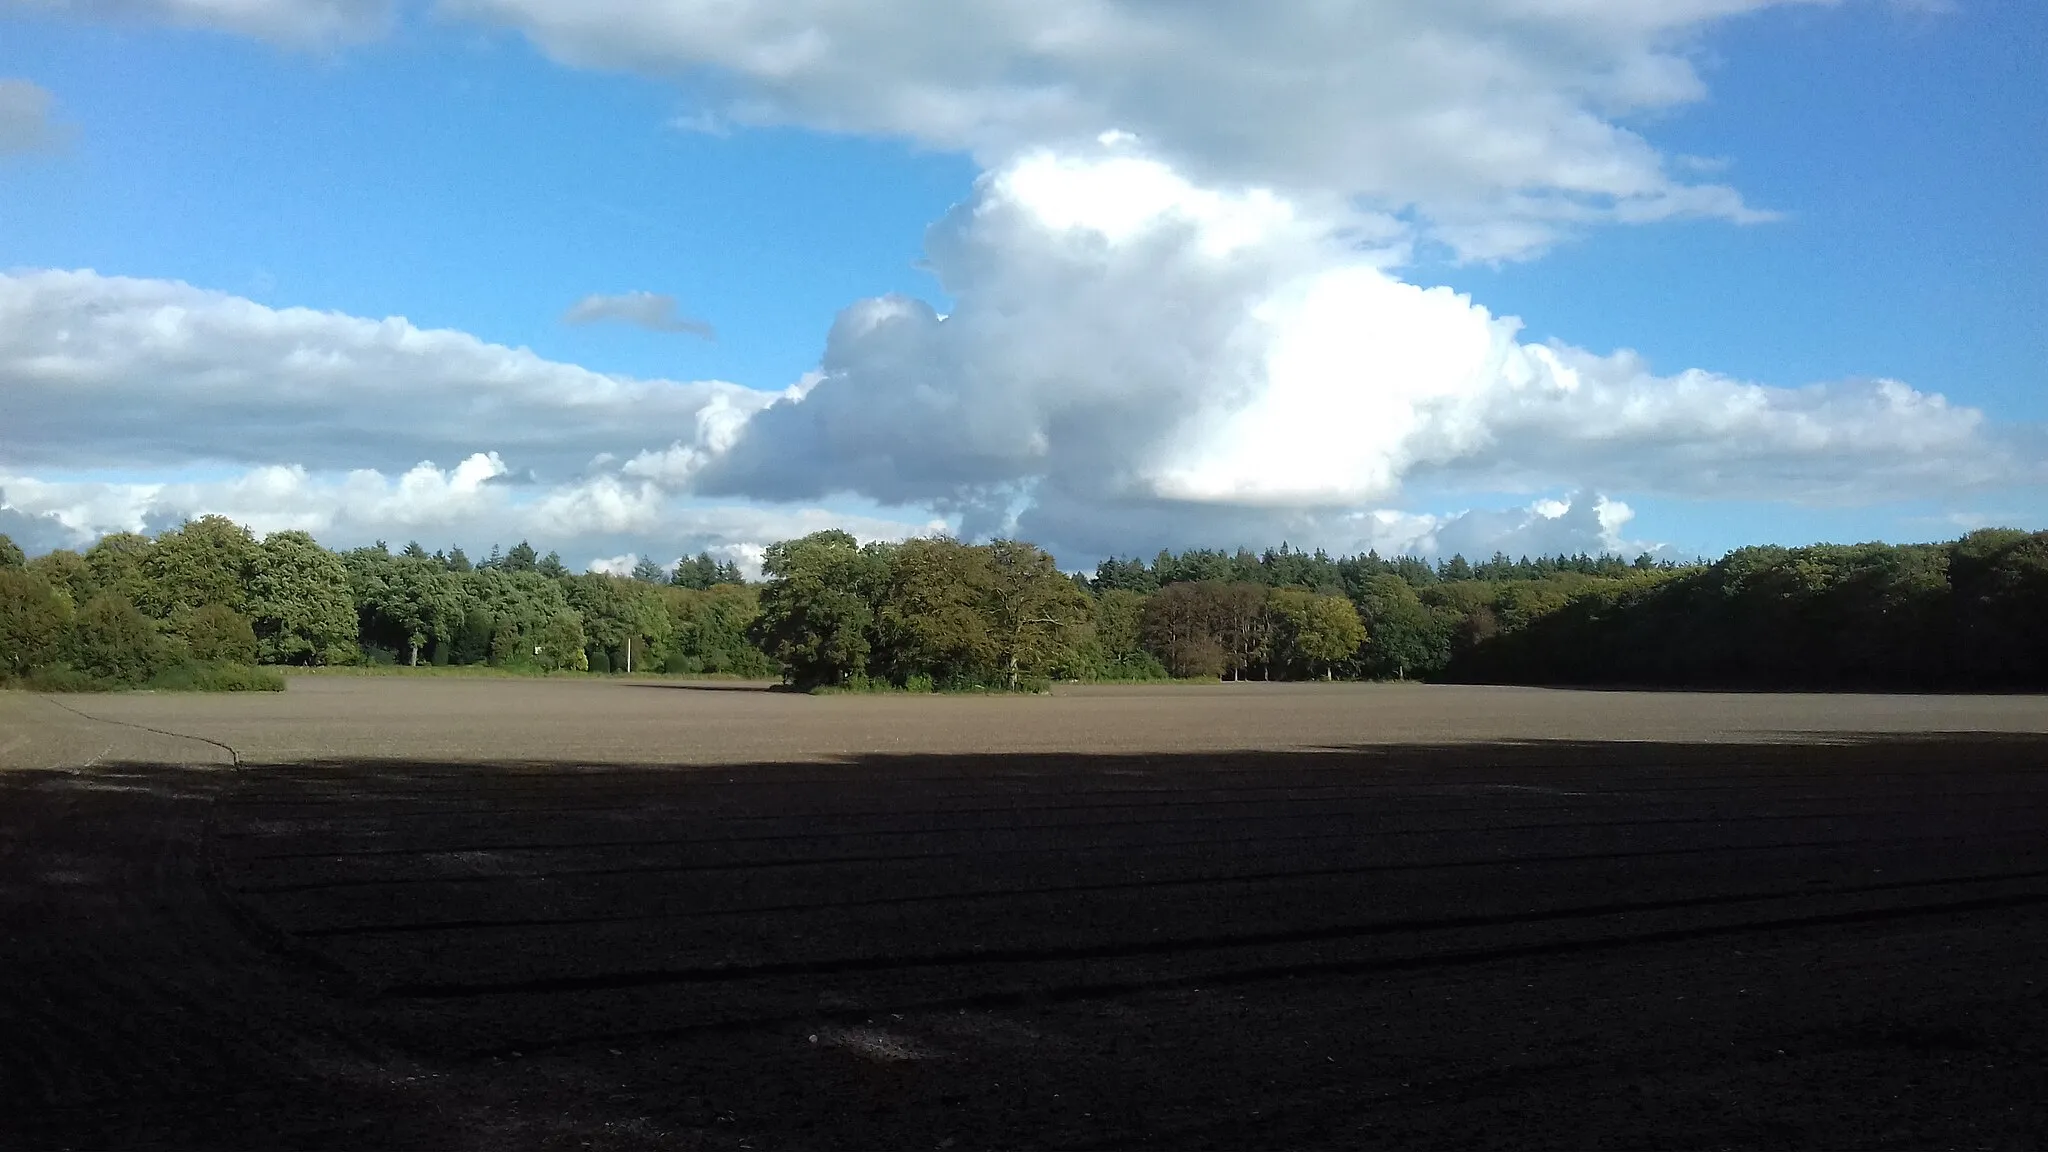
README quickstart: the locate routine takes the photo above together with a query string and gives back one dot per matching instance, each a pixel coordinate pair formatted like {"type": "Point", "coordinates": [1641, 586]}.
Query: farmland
{"type": "Point", "coordinates": [576, 913]}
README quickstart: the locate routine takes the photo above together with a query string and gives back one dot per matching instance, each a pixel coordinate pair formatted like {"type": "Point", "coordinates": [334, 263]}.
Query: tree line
{"type": "Point", "coordinates": [936, 612]}
{"type": "Point", "coordinates": [209, 592]}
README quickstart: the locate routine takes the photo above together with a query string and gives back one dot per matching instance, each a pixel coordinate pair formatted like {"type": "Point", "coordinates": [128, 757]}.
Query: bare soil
{"type": "Point", "coordinates": [455, 913]}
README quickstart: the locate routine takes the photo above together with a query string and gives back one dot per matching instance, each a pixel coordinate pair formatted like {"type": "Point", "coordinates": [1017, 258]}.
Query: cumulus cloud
{"type": "Point", "coordinates": [302, 23]}
{"type": "Point", "coordinates": [1130, 352]}
{"type": "Point", "coordinates": [463, 504]}
{"type": "Point", "coordinates": [1499, 122]}
{"type": "Point", "coordinates": [25, 124]}
{"type": "Point", "coordinates": [650, 310]}
{"type": "Point", "coordinates": [104, 371]}
{"type": "Point", "coordinates": [1132, 360]}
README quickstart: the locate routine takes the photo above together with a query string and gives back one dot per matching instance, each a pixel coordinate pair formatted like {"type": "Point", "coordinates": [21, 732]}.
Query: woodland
{"type": "Point", "coordinates": [212, 605]}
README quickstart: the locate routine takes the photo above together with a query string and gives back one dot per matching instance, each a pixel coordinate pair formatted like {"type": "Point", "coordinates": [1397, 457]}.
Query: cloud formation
{"type": "Point", "coordinates": [650, 310]}
{"type": "Point", "coordinates": [1501, 123]}
{"type": "Point", "coordinates": [108, 371]}
{"type": "Point", "coordinates": [298, 23]}
{"type": "Point", "coordinates": [1130, 352]}
{"type": "Point", "coordinates": [462, 504]}
{"type": "Point", "coordinates": [25, 124]}
{"type": "Point", "coordinates": [1177, 312]}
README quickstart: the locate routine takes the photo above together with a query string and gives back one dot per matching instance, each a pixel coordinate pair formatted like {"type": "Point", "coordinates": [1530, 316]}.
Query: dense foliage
{"type": "Point", "coordinates": [187, 608]}
{"type": "Point", "coordinates": [940, 613]}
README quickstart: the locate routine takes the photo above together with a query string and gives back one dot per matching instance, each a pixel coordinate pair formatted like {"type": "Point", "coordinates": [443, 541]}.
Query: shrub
{"type": "Point", "coordinates": [113, 641]}
{"type": "Point", "coordinates": [63, 678]}
{"type": "Point", "coordinates": [33, 622]}
{"type": "Point", "coordinates": [217, 634]}
{"type": "Point", "coordinates": [196, 676]}
{"type": "Point", "coordinates": [918, 682]}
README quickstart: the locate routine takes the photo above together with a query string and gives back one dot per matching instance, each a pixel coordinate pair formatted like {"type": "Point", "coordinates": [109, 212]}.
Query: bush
{"type": "Point", "coordinates": [196, 676]}
{"type": "Point", "coordinates": [113, 641]}
{"type": "Point", "coordinates": [63, 678]}
{"type": "Point", "coordinates": [34, 623]}
{"type": "Point", "coordinates": [217, 634]}
{"type": "Point", "coordinates": [600, 660]}
{"type": "Point", "coordinates": [918, 682]}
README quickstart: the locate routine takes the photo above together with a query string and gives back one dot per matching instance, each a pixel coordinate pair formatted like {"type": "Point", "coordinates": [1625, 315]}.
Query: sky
{"type": "Point", "coordinates": [639, 278]}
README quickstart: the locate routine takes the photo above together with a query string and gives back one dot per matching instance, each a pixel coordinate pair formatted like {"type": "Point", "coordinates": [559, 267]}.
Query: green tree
{"type": "Point", "coordinates": [112, 640]}
{"type": "Point", "coordinates": [650, 571]}
{"type": "Point", "coordinates": [561, 644]}
{"type": "Point", "coordinates": [708, 631]}
{"type": "Point", "coordinates": [1119, 633]}
{"type": "Point", "coordinates": [34, 622]}
{"type": "Point", "coordinates": [616, 613]}
{"type": "Point", "coordinates": [933, 618]}
{"type": "Point", "coordinates": [406, 602]}
{"type": "Point", "coordinates": [116, 563]}
{"type": "Point", "coordinates": [1037, 617]}
{"type": "Point", "coordinates": [204, 561]}
{"type": "Point", "coordinates": [520, 606]}
{"type": "Point", "coordinates": [218, 634]}
{"type": "Point", "coordinates": [302, 602]}
{"type": "Point", "coordinates": [1402, 638]}
{"type": "Point", "coordinates": [1315, 632]}
{"type": "Point", "coordinates": [11, 555]}
{"type": "Point", "coordinates": [819, 605]}
{"type": "Point", "coordinates": [66, 572]}
{"type": "Point", "coordinates": [472, 641]}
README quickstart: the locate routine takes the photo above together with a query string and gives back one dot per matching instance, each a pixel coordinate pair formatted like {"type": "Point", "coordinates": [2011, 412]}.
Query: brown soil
{"type": "Point", "coordinates": [631, 917]}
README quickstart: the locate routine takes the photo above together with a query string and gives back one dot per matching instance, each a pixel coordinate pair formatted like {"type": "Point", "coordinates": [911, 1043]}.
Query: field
{"type": "Point", "coordinates": [576, 913]}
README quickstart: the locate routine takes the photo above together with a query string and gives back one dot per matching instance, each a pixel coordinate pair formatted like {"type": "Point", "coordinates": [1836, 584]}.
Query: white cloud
{"type": "Point", "coordinates": [620, 565]}
{"type": "Point", "coordinates": [111, 372]}
{"type": "Point", "coordinates": [1132, 355]}
{"type": "Point", "coordinates": [650, 310]}
{"type": "Point", "coordinates": [300, 23]}
{"type": "Point", "coordinates": [467, 504]}
{"type": "Point", "coordinates": [25, 124]}
{"type": "Point", "coordinates": [1500, 122]}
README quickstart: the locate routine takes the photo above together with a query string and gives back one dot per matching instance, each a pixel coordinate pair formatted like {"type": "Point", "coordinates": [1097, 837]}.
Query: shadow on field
{"type": "Point", "coordinates": [1535, 943]}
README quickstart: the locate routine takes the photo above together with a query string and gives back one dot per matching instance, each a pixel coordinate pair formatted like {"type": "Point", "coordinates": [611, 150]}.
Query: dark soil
{"type": "Point", "coordinates": [1513, 945]}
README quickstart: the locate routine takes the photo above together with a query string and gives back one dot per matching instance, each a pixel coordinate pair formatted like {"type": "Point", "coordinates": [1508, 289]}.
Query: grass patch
{"type": "Point", "coordinates": [504, 672]}
{"type": "Point", "coordinates": [922, 685]}
{"type": "Point", "coordinates": [62, 679]}
{"type": "Point", "coordinates": [199, 677]}
{"type": "Point", "coordinates": [190, 676]}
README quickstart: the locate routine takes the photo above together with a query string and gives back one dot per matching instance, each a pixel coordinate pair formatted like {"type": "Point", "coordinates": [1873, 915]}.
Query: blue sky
{"type": "Point", "coordinates": [1120, 367]}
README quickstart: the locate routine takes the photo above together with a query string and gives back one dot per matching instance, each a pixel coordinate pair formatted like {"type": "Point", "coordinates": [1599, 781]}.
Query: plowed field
{"type": "Point", "coordinates": [628, 917]}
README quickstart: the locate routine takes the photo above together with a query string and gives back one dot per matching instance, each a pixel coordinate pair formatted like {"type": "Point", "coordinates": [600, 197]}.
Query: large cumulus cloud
{"type": "Point", "coordinates": [1178, 308]}
{"type": "Point", "coordinates": [1131, 353]}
